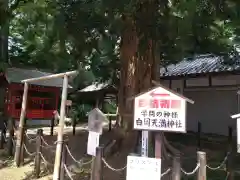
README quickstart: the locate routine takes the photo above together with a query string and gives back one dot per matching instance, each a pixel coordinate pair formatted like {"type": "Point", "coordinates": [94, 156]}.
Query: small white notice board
{"type": "Point", "coordinates": [93, 143]}
{"type": "Point", "coordinates": [143, 168]}
{"type": "Point", "coordinates": [160, 110]}
{"type": "Point", "coordinates": [238, 135]}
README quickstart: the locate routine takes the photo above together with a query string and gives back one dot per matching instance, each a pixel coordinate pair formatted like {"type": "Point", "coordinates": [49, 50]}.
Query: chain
{"type": "Point", "coordinates": [191, 173]}
{"type": "Point", "coordinates": [68, 172]}
{"type": "Point", "coordinates": [220, 166]}
{"type": "Point", "coordinates": [166, 172]}
{"type": "Point", "coordinates": [30, 154]}
{"type": "Point", "coordinates": [113, 169]}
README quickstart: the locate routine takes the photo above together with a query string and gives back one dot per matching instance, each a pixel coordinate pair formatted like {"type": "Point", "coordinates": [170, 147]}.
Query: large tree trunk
{"type": "Point", "coordinates": [138, 65]}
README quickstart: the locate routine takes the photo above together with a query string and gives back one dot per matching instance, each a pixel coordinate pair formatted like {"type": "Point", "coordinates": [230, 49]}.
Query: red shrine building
{"type": "Point", "coordinates": [42, 100]}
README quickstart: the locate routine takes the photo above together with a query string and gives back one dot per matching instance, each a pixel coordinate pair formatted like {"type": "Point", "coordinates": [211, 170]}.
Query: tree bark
{"type": "Point", "coordinates": [137, 63]}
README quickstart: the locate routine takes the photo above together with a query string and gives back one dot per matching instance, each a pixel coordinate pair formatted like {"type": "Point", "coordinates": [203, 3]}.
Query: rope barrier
{"type": "Point", "coordinates": [44, 142]}
{"type": "Point", "coordinates": [113, 169]}
{"type": "Point", "coordinates": [68, 172]}
{"type": "Point", "coordinates": [30, 154]}
{"type": "Point", "coordinates": [29, 138]}
{"type": "Point", "coordinates": [44, 160]}
{"type": "Point", "coordinates": [221, 165]}
{"type": "Point", "coordinates": [75, 160]}
{"type": "Point", "coordinates": [166, 172]}
{"type": "Point", "coordinates": [191, 173]}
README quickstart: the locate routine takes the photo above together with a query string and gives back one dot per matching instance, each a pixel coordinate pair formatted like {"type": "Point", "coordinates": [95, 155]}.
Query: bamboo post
{"type": "Point", "coordinates": [231, 155]}
{"type": "Point", "coordinates": [57, 164]}
{"type": "Point", "coordinates": [97, 165]}
{"type": "Point", "coordinates": [202, 175]}
{"type": "Point", "coordinates": [52, 126]}
{"type": "Point", "coordinates": [176, 171]}
{"type": "Point", "coordinates": [37, 168]}
{"type": "Point", "coordinates": [199, 136]}
{"type": "Point", "coordinates": [10, 144]}
{"type": "Point", "coordinates": [19, 142]}
{"type": "Point", "coordinates": [64, 161]}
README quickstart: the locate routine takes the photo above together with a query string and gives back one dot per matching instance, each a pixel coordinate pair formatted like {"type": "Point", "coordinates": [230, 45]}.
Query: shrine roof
{"type": "Point", "coordinates": [16, 75]}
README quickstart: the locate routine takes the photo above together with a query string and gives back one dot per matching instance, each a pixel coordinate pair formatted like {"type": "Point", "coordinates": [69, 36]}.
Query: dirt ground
{"type": "Point", "coordinates": [215, 149]}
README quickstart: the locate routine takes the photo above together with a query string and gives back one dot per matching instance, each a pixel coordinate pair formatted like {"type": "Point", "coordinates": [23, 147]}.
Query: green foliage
{"type": "Point", "coordinates": [86, 34]}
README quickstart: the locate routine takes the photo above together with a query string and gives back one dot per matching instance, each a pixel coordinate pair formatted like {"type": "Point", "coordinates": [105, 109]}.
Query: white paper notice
{"type": "Point", "coordinates": [238, 135]}
{"type": "Point", "coordinates": [143, 168]}
{"type": "Point", "coordinates": [93, 143]}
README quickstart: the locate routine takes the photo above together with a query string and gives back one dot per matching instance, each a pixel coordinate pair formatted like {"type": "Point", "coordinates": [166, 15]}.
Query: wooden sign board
{"type": "Point", "coordinates": [160, 110]}
{"type": "Point", "coordinates": [142, 168]}
{"type": "Point", "coordinates": [95, 120]}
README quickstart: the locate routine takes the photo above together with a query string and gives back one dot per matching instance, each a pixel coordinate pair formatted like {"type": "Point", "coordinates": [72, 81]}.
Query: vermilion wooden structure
{"type": "Point", "coordinates": [42, 100]}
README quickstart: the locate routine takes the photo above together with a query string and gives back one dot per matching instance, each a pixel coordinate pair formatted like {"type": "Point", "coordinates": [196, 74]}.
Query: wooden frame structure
{"type": "Point", "coordinates": [19, 143]}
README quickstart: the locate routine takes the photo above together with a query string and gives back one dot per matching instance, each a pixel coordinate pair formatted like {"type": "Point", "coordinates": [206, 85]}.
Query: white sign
{"type": "Point", "coordinates": [238, 135]}
{"type": "Point", "coordinates": [143, 168]}
{"type": "Point", "coordinates": [160, 109]}
{"type": "Point", "coordinates": [95, 120]}
{"type": "Point", "coordinates": [144, 151]}
{"type": "Point", "coordinates": [93, 143]}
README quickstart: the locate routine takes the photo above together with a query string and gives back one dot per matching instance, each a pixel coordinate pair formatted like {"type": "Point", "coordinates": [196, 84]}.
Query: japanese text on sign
{"type": "Point", "coordinates": [141, 167]}
{"type": "Point", "coordinates": [160, 111]}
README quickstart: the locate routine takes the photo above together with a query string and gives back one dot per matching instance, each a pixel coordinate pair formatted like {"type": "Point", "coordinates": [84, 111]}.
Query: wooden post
{"type": "Point", "coordinates": [19, 142]}
{"type": "Point", "coordinates": [10, 144]}
{"type": "Point", "coordinates": [74, 126]}
{"type": "Point", "coordinates": [158, 145]}
{"type": "Point", "coordinates": [202, 175]}
{"type": "Point", "coordinates": [52, 126]}
{"type": "Point", "coordinates": [199, 136]}
{"type": "Point", "coordinates": [37, 168]}
{"type": "Point", "coordinates": [64, 161]}
{"type": "Point", "coordinates": [110, 123]}
{"type": "Point", "coordinates": [23, 142]}
{"type": "Point", "coordinates": [97, 165]}
{"type": "Point", "coordinates": [57, 164]}
{"type": "Point", "coordinates": [3, 134]}
{"type": "Point", "coordinates": [176, 171]}
{"type": "Point", "coordinates": [230, 159]}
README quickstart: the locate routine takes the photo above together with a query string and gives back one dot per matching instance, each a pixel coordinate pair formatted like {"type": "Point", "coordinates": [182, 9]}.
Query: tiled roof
{"type": "Point", "coordinates": [94, 87]}
{"type": "Point", "coordinates": [16, 75]}
{"type": "Point", "coordinates": [198, 65]}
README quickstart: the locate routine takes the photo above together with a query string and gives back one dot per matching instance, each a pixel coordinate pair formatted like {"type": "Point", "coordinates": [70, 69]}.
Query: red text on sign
{"type": "Point", "coordinates": [160, 103]}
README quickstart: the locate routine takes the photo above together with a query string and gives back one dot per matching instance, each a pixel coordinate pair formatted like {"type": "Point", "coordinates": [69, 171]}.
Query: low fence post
{"type": "Point", "coordinates": [110, 123]}
{"type": "Point", "coordinates": [3, 134]}
{"type": "Point", "coordinates": [176, 170]}
{"type": "Point", "coordinates": [63, 160]}
{"type": "Point", "coordinates": [37, 162]}
{"type": "Point", "coordinates": [199, 136]}
{"type": "Point", "coordinates": [231, 155]}
{"type": "Point", "coordinates": [97, 165]}
{"type": "Point", "coordinates": [52, 126]}
{"type": "Point", "coordinates": [74, 126]}
{"type": "Point", "coordinates": [202, 175]}
{"type": "Point", "coordinates": [10, 142]}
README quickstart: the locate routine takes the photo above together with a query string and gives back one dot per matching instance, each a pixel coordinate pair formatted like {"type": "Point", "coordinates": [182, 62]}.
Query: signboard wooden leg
{"type": "Point", "coordinates": [158, 145]}
{"type": "Point", "coordinates": [144, 150]}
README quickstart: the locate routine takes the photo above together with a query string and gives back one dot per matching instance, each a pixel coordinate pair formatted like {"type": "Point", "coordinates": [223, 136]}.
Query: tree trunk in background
{"type": "Point", "coordinates": [4, 32]}
{"type": "Point", "coordinates": [138, 65]}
